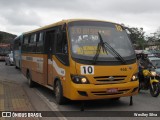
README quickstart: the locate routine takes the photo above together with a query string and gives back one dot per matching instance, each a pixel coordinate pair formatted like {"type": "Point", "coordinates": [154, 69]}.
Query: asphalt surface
{"type": "Point", "coordinates": [43, 99]}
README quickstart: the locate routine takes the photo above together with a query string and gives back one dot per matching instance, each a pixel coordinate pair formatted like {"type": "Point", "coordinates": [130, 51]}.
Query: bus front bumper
{"type": "Point", "coordinates": [91, 91]}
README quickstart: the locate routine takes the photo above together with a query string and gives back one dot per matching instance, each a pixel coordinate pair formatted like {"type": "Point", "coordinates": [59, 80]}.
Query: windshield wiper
{"type": "Point", "coordinates": [100, 45]}
{"type": "Point", "coordinates": [104, 46]}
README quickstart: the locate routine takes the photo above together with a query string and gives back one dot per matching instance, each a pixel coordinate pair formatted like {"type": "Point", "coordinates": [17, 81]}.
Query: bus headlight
{"type": "Point", "coordinates": [79, 79]}
{"type": "Point", "coordinates": [83, 80]}
{"type": "Point", "coordinates": [153, 73]}
{"type": "Point", "coordinates": [134, 77]}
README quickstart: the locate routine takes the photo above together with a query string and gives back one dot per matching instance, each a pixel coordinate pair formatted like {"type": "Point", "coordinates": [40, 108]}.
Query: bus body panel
{"type": "Point", "coordinates": [124, 72]}
{"type": "Point", "coordinates": [44, 71]}
{"type": "Point", "coordinates": [58, 70]}
{"type": "Point", "coordinates": [36, 64]}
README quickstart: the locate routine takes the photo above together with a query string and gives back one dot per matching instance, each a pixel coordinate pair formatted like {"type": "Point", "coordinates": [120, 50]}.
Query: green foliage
{"type": "Point", "coordinates": [6, 37]}
{"type": "Point", "coordinates": [1, 38]}
{"type": "Point", "coordinates": [137, 37]}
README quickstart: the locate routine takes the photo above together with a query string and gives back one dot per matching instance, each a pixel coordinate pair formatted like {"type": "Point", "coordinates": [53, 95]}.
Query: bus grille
{"type": "Point", "coordinates": [105, 92]}
{"type": "Point", "coordinates": [109, 79]}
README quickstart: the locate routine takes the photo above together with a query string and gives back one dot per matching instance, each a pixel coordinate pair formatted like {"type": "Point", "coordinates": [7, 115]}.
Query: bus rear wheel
{"type": "Point", "coordinates": [60, 99]}
{"type": "Point", "coordinates": [30, 82]}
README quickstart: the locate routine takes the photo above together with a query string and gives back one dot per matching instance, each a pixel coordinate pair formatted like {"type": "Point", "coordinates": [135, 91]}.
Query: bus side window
{"type": "Point", "coordinates": [62, 47]}
{"type": "Point", "coordinates": [40, 37]}
{"type": "Point", "coordinates": [32, 43]}
{"type": "Point", "coordinates": [25, 43]}
{"type": "Point", "coordinates": [61, 44]}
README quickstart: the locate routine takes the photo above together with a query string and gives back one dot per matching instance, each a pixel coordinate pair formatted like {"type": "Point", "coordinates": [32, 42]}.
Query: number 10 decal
{"type": "Point", "coordinates": [87, 69]}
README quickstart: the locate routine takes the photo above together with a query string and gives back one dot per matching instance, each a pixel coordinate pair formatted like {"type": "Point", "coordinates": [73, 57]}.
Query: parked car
{"type": "Point", "coordinates": [9, 59]}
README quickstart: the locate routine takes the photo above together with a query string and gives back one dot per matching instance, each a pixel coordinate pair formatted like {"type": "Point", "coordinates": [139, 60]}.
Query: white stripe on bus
{"type": "Point", "coordinates": [59, 70]}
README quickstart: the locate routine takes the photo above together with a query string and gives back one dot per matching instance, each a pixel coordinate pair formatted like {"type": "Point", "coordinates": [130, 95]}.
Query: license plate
{"type": "Point", "coordinates": [112, 90]}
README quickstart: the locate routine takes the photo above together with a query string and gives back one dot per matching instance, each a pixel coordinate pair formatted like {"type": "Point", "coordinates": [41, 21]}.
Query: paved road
{"type": "Point", "coordinates": [43, 99]}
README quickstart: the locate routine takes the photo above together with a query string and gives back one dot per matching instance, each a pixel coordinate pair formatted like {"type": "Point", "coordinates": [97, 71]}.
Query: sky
{"type": "Point", "coordinates": [18, 16]}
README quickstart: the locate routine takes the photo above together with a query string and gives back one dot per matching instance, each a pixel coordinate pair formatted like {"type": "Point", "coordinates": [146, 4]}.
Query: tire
{"type": "Point", "coordinates": [58, 90]}
{"type": "Point", "coordinates": [156, 89]}
{"type": "Point", "coordinates": [30, 82]}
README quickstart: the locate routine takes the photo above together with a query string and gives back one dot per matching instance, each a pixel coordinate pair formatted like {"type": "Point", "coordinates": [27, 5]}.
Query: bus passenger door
{"type": "Point", "coordinates": [50, 36]}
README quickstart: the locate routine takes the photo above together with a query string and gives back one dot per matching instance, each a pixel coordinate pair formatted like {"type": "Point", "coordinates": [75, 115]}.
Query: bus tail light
{"type": "Point", "coordinates": [79, 79]}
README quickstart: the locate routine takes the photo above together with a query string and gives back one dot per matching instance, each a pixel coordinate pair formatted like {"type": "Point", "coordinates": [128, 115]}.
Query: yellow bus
{"type": "Point", "coordinates": [81, 60]}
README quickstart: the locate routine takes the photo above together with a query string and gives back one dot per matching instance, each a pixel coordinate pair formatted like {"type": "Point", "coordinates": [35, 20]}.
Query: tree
{"type": "Point", "coordinates": [137, 37]}
{"type": "Point", "coordinates": [1, 38]}
{"type": "Point", "coordinates": [158, 34]}
{"type": "Point", "coordinates": [154, 40]}
{"type": "Point", "coordinates": [6, 37]}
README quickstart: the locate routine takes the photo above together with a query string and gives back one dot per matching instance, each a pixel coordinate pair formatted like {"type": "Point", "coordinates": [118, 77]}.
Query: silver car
{"type": "Point", "coordinates": [9, 59]}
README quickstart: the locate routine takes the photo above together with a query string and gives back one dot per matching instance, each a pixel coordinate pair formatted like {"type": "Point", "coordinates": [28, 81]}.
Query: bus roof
{"type": "Point", "coordinates": [62, 22]}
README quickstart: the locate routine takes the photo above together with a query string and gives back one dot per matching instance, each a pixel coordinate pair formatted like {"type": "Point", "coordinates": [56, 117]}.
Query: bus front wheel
{"type": "Point", "coordinates": [60, 99]}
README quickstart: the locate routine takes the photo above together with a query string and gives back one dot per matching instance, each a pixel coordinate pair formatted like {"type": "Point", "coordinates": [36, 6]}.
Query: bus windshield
{"type": "Point", "coordinates": [84, 40]}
